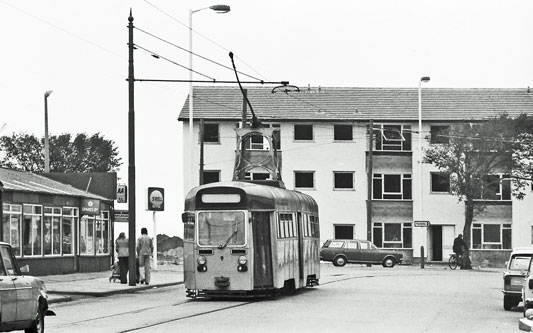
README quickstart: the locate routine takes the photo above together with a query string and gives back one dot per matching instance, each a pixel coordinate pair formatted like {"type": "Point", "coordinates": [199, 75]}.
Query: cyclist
{"type": "Point", "coordinates": [459, 247]}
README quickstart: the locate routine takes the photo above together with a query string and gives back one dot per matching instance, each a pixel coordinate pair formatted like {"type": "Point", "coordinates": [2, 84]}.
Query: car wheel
{"type": "Point", "coordinates": [38, 324]}
{"type": "Point", "coordinates": [339, 261]}
{"type": "Point", "coordinates": [507, 303]}
{"type": "Point", "coordinates": [389, 262]}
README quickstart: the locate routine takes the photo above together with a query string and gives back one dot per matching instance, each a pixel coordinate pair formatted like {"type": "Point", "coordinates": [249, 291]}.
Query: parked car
{"type": "Point", "coordinates": [23, 298]}
{"type": "Point", "coordinates": [342, 251]}
{"type": "Point", "coordinates": [513, 276]}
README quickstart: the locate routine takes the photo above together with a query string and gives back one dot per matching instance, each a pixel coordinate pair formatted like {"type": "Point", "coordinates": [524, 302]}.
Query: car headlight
{"type": "Point", "coordinates": [243, 260]}
{"type": "Point", "coordinates": [201, 260]}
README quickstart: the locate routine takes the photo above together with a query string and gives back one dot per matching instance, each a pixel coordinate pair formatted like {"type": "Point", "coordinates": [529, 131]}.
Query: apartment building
{"type": "Point", "coordinates": [367, 186]}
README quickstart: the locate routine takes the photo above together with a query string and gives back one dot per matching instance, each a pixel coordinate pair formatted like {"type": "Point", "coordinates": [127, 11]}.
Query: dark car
{"type": "Point", "coordinates": [23, 298]}
{"type": "Point", "coordinates": [342, 251]}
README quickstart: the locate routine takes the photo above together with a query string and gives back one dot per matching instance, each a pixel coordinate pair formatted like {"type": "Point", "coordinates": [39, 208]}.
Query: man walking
{"type": "Point", "coordinates": [145, 249]}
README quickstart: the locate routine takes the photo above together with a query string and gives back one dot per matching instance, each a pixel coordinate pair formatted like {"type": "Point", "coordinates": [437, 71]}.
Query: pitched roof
{"type": "Point", "coordinates": [13, 180]}
{"type": "Point", "coordinates": [382, 104]}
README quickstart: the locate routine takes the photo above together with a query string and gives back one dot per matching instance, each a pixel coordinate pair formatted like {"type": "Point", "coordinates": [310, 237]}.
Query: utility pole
{"type": "Point", "coordinates": [201, 151]}
{"type": "Point", "coordinates": [370, 168]}
{"type": "Point", "coordinates": [131, 160]}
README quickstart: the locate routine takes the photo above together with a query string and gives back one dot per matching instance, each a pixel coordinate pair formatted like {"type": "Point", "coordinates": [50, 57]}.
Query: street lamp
{"type": "Point", "coordinates": [46, 142]}
{"type": "Point", "coordinates": [220, 9]}
{"type": "Point", "coordinates": [422, 79]}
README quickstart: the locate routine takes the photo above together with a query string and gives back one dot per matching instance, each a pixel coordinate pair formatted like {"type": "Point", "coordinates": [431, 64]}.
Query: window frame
{"type": "Point", "coordinates": [212, 172]}
{"type": "Point", "coordinates": [299, 136]}
{"type": "Point", "coordinates": [404, 142]}
{"type": "Point", "coordinates": [437, 136]}
{"type": "Point", "coordinates": [505, 231]}
{"type": "Point", "coordinates": [435, 183]}
{"type": "Point", "coordinates": [405, 182]}
{"type": "Point", "coordinates": [338, 132]}
{"type": "Point", "coordinates": [304, 172]}
{"type": "Point", "coordinates": [406, 235]}
{"type": "Point", "coordinates": [352, 183]}
{"type": "Point", "coordinates": [214, 138]}
{"type": "Point", "coordinates": [7, 227]}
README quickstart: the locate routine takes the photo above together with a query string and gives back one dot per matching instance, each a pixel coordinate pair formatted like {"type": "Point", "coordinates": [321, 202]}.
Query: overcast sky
{"type": "Point", "coordinates": [78, 49]}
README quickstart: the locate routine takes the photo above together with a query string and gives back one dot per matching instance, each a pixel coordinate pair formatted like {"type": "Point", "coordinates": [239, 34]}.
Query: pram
{"type": "Point", "coordinates": [115, 274]}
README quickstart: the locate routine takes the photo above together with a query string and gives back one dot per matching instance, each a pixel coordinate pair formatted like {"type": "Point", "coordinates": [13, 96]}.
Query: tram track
{"type": "Point", "coordinates": [336, 279]}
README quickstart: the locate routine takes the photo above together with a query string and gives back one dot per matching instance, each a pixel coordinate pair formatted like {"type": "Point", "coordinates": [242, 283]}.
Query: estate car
{"type": "Point", "coordinates": [342, 251]}
{"type": "Point", "coordinates": [513, 276]}
{"type": "Point", "coordinates": [23, 298]}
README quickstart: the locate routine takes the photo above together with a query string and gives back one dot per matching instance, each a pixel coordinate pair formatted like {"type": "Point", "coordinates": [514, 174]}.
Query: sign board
{"type": "Point", "coordinates": [122, 193]}
{"type": "Point", "coordinates": [422, 223]}
{"type": "Point", "coordinates": [90, 207]}
{"type": "Point", "coordinates": [155, 199]}
{"type": "Point", "coordinates": [121, 216]}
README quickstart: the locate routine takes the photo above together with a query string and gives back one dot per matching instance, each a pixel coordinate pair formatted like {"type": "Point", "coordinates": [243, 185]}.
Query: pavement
{"type": "Point", "coordinates": [64, 288]}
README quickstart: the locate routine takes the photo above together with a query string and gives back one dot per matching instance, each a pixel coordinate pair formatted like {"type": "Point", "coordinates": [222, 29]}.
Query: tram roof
{"type": "Point", "coordinates": [259, 196]}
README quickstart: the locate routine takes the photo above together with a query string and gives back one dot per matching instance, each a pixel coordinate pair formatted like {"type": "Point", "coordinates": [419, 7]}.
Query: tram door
{"type": "Point", "coordinates": [262, 250]}
{"type": "Point", "coordinates": [300, 245]}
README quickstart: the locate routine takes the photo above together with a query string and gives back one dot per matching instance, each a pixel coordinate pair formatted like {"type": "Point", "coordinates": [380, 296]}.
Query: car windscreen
{"type": "Point", "coordinates": [519, 263]}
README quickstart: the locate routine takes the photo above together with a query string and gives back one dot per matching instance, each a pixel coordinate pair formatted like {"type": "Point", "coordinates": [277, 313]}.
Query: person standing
{"type": "Point", "coordinates": [123, 253]}
{"type": "Point", "coordinates": [145, 249]}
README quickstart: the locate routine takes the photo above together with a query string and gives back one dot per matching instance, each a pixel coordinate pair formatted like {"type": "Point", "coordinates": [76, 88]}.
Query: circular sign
{"type": "Point", "coordinates": [156, 198]}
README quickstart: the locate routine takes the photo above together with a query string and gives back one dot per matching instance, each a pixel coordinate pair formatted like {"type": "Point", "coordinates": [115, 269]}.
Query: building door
{"type": "Point", "coordinates": [343, 231]}
{"type": "Point", "coordinates": [436, 242]}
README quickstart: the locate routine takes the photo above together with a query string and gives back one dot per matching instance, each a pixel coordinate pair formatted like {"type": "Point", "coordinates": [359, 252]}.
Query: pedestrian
{"type": "Point", "coordinates": [122, 248]}
{"type": "Point", "coordinates": [459, 247]}
{"type": "Point", "coordinates": [145, 249]}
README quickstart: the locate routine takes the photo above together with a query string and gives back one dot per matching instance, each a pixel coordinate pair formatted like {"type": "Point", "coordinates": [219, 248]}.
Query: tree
{"type": "Point", "coordinates": [79, 154]}
{"type": "Point", "coordinates": [472, 155]}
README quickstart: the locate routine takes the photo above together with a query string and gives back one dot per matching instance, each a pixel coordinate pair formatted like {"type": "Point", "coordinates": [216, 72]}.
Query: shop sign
{"type": "Point", "coordinates": [121, 216]}
{"type": "Point", "coordinates": [122, 193]}
{"type": "Point", "coordinates": [155, 199]}
{"type": "Point", "coordinates": [90, 207]}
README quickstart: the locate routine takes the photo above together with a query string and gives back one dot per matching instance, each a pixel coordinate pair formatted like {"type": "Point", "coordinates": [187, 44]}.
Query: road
{"type": "Point", "coordinates": [352, 298]}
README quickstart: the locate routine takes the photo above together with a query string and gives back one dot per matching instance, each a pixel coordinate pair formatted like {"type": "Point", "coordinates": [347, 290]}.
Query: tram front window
{"type": "Point", "coordinates": [221, 229]}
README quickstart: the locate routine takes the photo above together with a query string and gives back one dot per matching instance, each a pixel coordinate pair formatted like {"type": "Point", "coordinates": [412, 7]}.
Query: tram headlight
{"type": "Point", "coordinates": [201, 260]}
{"type": "Point", "coordinates": [243, 260]}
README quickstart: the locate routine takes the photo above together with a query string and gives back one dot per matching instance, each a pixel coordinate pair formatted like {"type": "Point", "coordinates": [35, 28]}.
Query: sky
{"type": "Point", "coordinates": [78, 49]}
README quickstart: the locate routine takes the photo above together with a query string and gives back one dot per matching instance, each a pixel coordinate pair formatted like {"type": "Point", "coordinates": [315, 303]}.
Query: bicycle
{"type": "Point", "coordinates": [453, 262]}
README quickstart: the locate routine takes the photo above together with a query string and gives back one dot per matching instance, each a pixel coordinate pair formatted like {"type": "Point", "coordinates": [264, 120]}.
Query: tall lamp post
{"type": "Point", "coordinates": [220, 9]}
{"type": "Point", "coordinates": [422, 79]}
{"type": "Point", "coordinates": [46, 141]}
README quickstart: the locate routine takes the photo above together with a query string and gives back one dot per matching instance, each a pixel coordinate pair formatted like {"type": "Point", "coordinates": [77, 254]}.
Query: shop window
{"type": "Point", "coordinates": [387, 187]}
{"type": "Point", "coordinates": [303, 132]}
{"type": "Point", "coordinates": [211, 176]}
{"type": "Point", "coordinates": [491, 236]}
{"type": "Point", "coordinates": [342, 132]}
{"type": "Point", "coordinates": [70, 219]}
{"type": "Point", "coordinates": [392, 235]}
{"type": "Point", "coordinates": [32, 230]}
{"type": "Point", "coordinates": [440, 182]}
{"type": "Point", "coordinates": [343, 180]}
{"type": "Point", "coordinates": [11, 226]}
{"type": "Point", "coordinates": [52, 230]}
{"type": "Point", "coordinates": [440, 134]}
{"type": "Point", "coordinates": [211, 133]}
{"type": "Point", "coordinates": [304, 179]}
{"type": "Point", "coordinates": [94, 234]}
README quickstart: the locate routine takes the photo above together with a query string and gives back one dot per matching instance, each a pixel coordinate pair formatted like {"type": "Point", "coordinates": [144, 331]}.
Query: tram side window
{"type": "Point", "coordinates": [285, 226]}
{"type": "Point", "coordinates": [313, 226]}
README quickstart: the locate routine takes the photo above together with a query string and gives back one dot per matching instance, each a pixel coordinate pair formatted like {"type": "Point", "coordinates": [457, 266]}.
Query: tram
{"type": "Point", "coordinates": [247, 239]}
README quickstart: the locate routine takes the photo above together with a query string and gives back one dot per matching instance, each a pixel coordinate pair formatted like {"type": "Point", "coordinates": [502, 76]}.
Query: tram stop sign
{"type": "Point", "coordinates": [155, 199]}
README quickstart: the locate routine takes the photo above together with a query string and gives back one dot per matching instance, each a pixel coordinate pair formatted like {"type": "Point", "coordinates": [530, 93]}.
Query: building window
{"type": "Point", "coordinates": [495, 187]}
{"type": "Point", "coordinates": [304, 179]}
{"type": "Point", "coordinates": [391, 187]}
{"type": "Point", "coordinates": [303, 132]}
{"type": "Point", "coordinates": [211, 176]}
{"type": "Point", "coordinates": [260, 142]}
{"type": "Point", "coordinates": [393, 137]}
{"type": "Point", "coordinates": [392, 235]}
{"type": "Point", "coordinates": [52, 230]}
{"type": "Point", "coordinates": [440, 134]}
{"type": "Point", "coordinates": [32, 230]}
{"type": "Point", "coordinates": [257, 176]}
{"type": "Point", "coordinates": [343, 231]}
{"type": "Point", "coordinates": [11, 224]}
{"type": "Point", "coordinates": [211, 133]}
{"type": "Point", "coordinates": [343, 180]}
{"type": "Point", "coordinates": [491, 236]}
{"type": "Point", "coordinates": [94, 234]}
{"type": "Point", "coordinates": [70, 219]}
{"type": "Point", "coordinates": [342, 132]}
{"type": "Point", "coordinates": [440, 182]}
